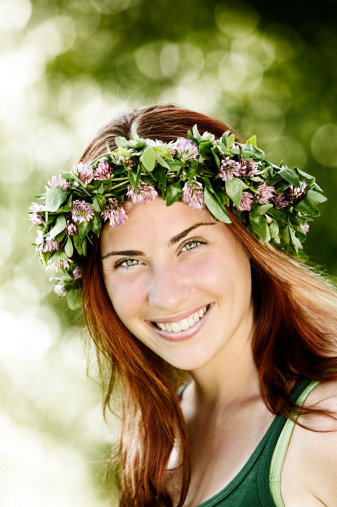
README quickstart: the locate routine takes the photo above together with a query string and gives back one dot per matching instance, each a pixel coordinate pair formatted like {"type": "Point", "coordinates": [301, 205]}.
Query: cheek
{"type": "Point", "coordinates": [127, 295]}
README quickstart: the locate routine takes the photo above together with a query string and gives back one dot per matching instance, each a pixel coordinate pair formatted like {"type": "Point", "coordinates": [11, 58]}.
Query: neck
{"type": "Point", "coordinates": [230, 378]}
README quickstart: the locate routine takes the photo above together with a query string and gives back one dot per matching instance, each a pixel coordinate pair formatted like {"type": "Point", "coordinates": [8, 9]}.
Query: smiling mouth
{"type": "Point", "coordinates": [184, 324]}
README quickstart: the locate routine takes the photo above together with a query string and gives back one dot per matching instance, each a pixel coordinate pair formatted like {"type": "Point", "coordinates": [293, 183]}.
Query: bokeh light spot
{"type": "Point", "coordinates": [25, 336]}
{"type": "Point", "coordinates": [14, 14]}
{"type": "Point", "coordinates": [236, 19]}
{"type": "Point", "coordinates": [323, 145]}
{"type": "Point", "coordinates": [148, 62]}
{"type": "Point", "coordinates": [287, 150]}
{"type": "Point", "coordinates": [53, 147]}
{"type": "Point", "coordinates": [169, 59]}
{"type": "Point", "coordinates": [16, 161]}
{"type": "Point", "coordinates": [286, 43]}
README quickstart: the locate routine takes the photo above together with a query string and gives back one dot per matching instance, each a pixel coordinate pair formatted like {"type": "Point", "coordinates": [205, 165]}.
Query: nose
{"type": "Point", "coordinates": [169, 289]}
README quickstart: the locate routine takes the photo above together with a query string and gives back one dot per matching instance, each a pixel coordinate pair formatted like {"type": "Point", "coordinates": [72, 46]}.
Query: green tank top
{"type": "Point", "coordinates": [258, 482]}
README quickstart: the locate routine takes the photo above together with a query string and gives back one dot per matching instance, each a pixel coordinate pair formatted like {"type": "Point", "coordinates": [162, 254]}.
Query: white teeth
{"type": "Point", "coordinates": [175, 327]}
{"type": "Point", "coordinates": [182, 325]}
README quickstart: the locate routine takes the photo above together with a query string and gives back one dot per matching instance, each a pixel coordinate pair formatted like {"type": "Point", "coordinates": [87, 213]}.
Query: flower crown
{"type": "Point", "coordinates": [275, 203]}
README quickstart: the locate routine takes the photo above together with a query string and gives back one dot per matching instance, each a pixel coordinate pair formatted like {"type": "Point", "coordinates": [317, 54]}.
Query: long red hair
{"type": "Point", "coordinates": [294, 336]}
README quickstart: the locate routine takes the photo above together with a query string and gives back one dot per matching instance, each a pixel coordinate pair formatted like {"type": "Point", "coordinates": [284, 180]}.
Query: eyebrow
{"type": "Point", "coordinates": [184, 233]}
{"type": "Point", "coordinates": [172, 241]}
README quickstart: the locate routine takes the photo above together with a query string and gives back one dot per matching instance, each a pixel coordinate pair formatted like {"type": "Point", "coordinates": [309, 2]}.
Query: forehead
{"type": "Point", "coordinates": [154, 219]}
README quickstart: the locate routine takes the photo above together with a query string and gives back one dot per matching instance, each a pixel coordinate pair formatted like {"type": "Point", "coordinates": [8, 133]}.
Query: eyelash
{"type": "Point", "coordinates": [135, 262]}
{"type": "Point", "coordinates": [191, 241]}
{"type": "Point", "coordinates": [119, 264]}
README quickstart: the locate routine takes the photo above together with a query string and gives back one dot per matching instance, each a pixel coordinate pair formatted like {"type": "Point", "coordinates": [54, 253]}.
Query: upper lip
{"type": "Point", "coordinates": [180, 316]}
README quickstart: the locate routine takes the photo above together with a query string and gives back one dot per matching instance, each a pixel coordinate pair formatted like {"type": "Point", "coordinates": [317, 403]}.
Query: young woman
{"type": "Point", "coordinates": [186, 251]}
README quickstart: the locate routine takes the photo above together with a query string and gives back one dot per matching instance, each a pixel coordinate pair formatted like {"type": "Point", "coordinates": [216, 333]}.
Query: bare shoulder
{"type": "Point", "coordinates": [324, 397]}
{"type": "Point", "coordinates": [310, 466]}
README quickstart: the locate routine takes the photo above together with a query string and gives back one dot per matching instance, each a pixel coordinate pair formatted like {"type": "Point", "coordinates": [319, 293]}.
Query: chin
{"type": "Point", "coordinates": [188, 362]}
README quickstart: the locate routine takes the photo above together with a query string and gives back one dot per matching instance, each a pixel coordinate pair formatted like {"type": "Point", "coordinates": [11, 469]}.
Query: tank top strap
{"type": "Point", "coordinates": [263, 484]}
{"type": "Point", "coordinates": [282, 446]}
{"type": "Point", "coordinates": [182, 389]}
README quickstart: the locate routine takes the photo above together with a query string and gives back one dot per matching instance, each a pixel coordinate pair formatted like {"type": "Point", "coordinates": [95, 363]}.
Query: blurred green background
{"type": "Point", "coordinates": [66, 68]}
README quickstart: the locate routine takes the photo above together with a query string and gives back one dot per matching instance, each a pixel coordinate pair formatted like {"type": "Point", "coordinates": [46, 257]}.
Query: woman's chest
{"type": "Point", "coordinates": [219, 451]}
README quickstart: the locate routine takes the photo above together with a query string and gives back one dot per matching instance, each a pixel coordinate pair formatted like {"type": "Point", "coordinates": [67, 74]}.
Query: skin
{"type": "Point", "coordinates": [166, 263]}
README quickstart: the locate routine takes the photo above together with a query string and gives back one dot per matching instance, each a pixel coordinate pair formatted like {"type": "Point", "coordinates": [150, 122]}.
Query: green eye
{"type": "Point", "coordinates": [127, 263]}
{"type": "Point", "coordinates": [190, 245]}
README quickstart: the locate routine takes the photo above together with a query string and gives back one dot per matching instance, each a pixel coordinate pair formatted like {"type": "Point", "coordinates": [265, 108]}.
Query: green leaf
{"type": "Point", "coordinates": [59, 226]}
{"type": "Point", "coordinates": [121, 151]}
{"type": "Point", "coordinates": [281, 190]}
{"type": "Point", "coordinates": [252, 140]}
{"type": "Point", "coordinates": [234, 190]}
{"type": "Point", "coordinates": [60, 236]}
{"type": "Point", "coordinates": [262, 209]}
{"type": "Point", "coordinates": [160, 175]}
{"type": "Point", "coordinates": [307, 207]}
{"type": "Point", "coordinates": [276, 213]}
{"type": "Point", "coordinates": [162, 151]}
{"type": "Point", "coordinates": [121, 142]}
{"type": "Point", "coordinates": [84, 228]}
{"type": "Point", "coordinates": [216, 156]}
{"type": "Point", "coordinates": [148, 158]}
{"type": "Point", "coordinates": [196, 133]}
{"type": "Point", "coordinates": [134, 177]}
{"type": "Point", "coordinates": [250, 151]}
{"type": "Point", "coordinates": [57, 257]}
{"type": "Point", "coordinates": [306, 175]}
{"type": "Point", "coordinates": [274, 230]}
{"type": "Point", "coordinates": [101, 201]}
{"type": "Point", "coordinates": [54, 198]}
{"type": "Point", "coordinates": [84, 247]}
{"type": "Point", "coordinates": [285, 236]}
{"type": "Point", "coordinates": [175, 165]}
{"type": "Point", "coordinates": [99, 187]}
{"type": "Point", "coordinates": [95, 206]}
{"type": "Point", "coordinates": [296, 242]}
{"type": "Point", "coordinates": [214, 207]}
{"type": "Point", "coordinates": [316, 197]}
{"type": "Point", "coordinates": [134, 134]}
{"type": "Point", "coordinates": [259, 226]}
{"type": "Point", "coordinates": [205, 149]}
{"type": "Point", "coordinates": [162, 162]}
{"type": "Point", "coordinates": [174, 193]}
{"type": "Point", "coordinates": [290, 175]}
{"type": "Point", "coordinates": [134, 145]}
{"type": "Point", "coordinates": [225, 136]}
{"type": "Point", "coordinates": [68, 248]}
{"type": "Point", "coordinates": [193, 169]}
{"type": "Point", "coordinates": [96, 224]}
{"type": "Point", "coordinates": [74, 299]}
{"type": "Point", "coordinates": [230, 141]}
{"type": "Point", "coordinates": [273, 180]}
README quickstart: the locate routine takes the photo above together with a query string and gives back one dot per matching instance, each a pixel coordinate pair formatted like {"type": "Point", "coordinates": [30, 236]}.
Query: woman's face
{"type": "Point", "coordinates": [179, 281]}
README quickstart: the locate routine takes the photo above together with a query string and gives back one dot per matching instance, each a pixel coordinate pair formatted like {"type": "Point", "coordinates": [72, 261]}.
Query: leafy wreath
{"type": "Point", "coordinates": [275, 203]}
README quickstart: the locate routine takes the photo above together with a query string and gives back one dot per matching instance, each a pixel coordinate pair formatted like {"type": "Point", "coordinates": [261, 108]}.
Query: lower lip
{"type": "Point", "coordinates": [182, 335]}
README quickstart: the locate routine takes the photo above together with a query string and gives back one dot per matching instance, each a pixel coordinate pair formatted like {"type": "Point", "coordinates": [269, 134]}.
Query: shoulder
{"type": "Point", "coordinates": [310, 466]}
